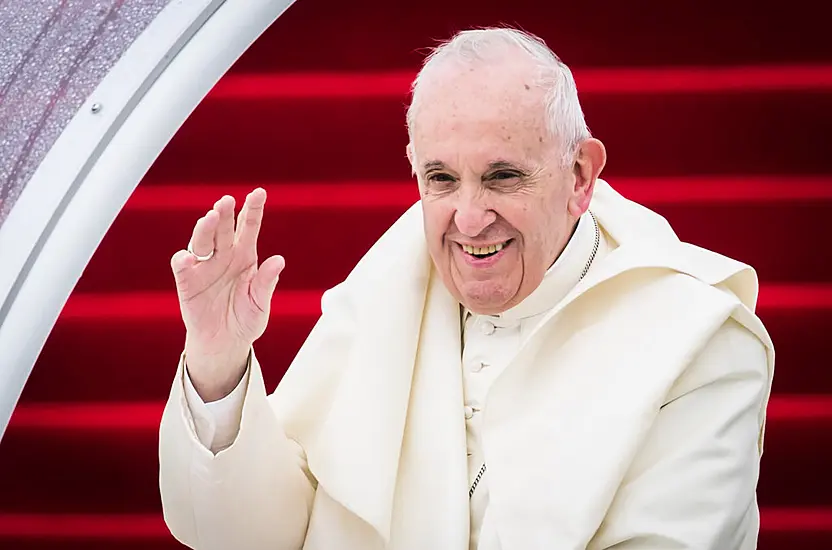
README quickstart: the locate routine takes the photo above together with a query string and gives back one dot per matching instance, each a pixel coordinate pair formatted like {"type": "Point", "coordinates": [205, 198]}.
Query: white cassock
{"type": "Point", "coordinates": [625, 408]}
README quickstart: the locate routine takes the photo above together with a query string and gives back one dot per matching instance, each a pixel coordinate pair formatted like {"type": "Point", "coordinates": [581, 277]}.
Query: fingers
{"type": "Point", "coordinates": [264, 282]}
{"type": "Point", "coordinates": [248, 222]}
{"type": "Point", "coordinates": [181, 262]}
{"type": "Point", "coordinates": [224, 236]}
{"type": "Point", "coordinates": [202, 239]}
{"type": "Point", "coordinates": [215, 232]}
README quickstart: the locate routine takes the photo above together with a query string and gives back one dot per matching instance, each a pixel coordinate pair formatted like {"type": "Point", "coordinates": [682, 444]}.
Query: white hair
{"type": "Point", "coordinates": [564, 116]}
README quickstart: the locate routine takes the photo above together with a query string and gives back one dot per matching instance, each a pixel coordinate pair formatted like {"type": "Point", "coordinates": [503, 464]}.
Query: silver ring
{"type": "Point", "coordinates": [197, 256]}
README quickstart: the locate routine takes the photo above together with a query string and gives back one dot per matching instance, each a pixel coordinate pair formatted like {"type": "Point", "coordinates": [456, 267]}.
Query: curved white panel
{"type": "Point", "coordinates": [72, 199]}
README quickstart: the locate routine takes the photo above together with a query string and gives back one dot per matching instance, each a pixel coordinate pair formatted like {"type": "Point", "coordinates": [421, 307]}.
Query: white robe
{"type": "Point", "coordinates": [632, 416]}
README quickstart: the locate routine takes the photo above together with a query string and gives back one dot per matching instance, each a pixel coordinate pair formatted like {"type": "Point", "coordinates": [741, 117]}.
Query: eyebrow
{"type": "Point", "coordinates": [503, 165]}
{"type": "Point", "coordinates": [433, 165]}
{"type": "Point", "coordinates": [493, 165]}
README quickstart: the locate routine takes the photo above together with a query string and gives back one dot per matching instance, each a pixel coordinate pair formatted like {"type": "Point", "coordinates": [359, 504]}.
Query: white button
{"type": "Point", "coordinates": [488, 328]}
{"type": "Point", "coordinates": [469, 412]}
{"type": "Point", "coordinates": [477, 367]}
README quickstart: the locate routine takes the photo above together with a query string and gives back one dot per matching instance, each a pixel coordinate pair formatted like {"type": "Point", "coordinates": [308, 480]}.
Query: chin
{"type": "Point", "coordinates": [486, 297]}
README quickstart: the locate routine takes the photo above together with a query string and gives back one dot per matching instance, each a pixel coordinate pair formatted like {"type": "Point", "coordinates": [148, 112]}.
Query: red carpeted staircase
{"type": "Point", "coordinates": [714, 114]}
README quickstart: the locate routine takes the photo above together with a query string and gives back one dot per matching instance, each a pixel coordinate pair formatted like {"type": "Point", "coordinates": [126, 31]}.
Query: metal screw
{"type": "Point", "coordinates": [96, 107]}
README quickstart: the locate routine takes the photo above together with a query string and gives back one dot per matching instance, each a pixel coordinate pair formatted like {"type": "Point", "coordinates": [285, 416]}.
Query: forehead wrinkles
{"type": "Point", "coordinates": [488, 127]}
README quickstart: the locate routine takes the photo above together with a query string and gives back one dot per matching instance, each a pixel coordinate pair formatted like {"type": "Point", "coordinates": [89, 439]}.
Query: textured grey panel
{"type": "Point", "coordinates": [53, 54]}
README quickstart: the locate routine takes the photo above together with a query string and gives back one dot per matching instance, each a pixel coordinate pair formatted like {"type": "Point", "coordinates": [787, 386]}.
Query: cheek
{"type": "Point", "coordinates": [523, 217]}
{"type": "Point", "coordinates": [534, 222]}
{"type": "Point", "coordinates": [437, 218]}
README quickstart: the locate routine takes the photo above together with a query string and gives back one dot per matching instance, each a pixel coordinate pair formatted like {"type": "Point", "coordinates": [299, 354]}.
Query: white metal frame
{"type": "Point", "coordinates": [78, 190]}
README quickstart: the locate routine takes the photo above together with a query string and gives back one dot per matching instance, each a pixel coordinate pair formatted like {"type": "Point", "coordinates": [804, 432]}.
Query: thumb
{"type": "Point", "coordinates": [265, 281]}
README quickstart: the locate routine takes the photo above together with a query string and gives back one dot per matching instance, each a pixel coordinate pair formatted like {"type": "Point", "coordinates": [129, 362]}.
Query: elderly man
{"type": "Point", "coordinates": [524, 360]}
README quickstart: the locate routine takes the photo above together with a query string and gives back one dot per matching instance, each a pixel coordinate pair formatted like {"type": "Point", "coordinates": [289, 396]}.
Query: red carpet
{"type": "Point", "coordinates": [720, 123]}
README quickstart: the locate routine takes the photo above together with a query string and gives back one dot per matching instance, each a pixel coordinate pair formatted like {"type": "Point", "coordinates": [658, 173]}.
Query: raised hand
{"type": "Point", "coordinates": [224, 297]}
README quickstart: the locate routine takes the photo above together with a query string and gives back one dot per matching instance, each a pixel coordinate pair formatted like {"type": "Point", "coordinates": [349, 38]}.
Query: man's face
{"type": "Point", "coordinates": [498, 205]}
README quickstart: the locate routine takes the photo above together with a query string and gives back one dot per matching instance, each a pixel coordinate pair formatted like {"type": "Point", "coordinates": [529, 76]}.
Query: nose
{"type": "Point", "coordinates": [472, 215]}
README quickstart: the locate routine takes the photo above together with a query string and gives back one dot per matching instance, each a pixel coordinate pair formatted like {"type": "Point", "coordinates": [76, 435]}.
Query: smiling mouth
{"type": "Point", "coordinates": [485, 251]}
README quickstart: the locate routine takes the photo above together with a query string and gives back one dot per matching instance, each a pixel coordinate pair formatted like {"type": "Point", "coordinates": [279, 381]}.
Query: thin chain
{"type": "Point", "coordinates": [583, 274]}
{"type": "Point", "coordinates": [594, 247]}
{"type": "Point", "coordinates": [476, 481]}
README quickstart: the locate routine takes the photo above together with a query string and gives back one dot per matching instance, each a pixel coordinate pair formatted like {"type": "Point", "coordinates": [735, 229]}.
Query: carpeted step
{"type": "Point", "coordinates": [259, 131]}
{"type": "Point", "coordinates": [324, 229]}
{"type": "Point", "coordinates": [378, 34]}
{"type": "Point", "coordinates": [103, 457]}
{"type": "Point", "coordinates": [114, 347]}
{"type": "Point", "coordinates": [782, 529]}
{"type": "Point", "coordinates": [70, 531]}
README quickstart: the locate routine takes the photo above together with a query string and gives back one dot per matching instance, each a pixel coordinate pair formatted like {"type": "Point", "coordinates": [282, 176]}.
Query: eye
{"type": "Point", "coordinates": [440, 177]}
{"type": "Point", "coordinates": [504, 175]}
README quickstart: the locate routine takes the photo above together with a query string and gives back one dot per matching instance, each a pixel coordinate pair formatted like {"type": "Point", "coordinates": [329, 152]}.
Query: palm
{"type": "Point", "coordinates": [225, 301]}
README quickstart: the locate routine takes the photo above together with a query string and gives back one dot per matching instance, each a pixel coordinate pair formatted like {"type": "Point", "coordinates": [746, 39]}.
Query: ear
{"type": "Point", "coordinates": [589, 162]}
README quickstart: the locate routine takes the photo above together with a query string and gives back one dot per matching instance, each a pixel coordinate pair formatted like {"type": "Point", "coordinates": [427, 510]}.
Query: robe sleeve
{"type": "Point", "coordinates": [216, 423]}
{"type": "Point", "coordinates": [693, 483]}
{"type": "Point", "coordinates": [256, 493]}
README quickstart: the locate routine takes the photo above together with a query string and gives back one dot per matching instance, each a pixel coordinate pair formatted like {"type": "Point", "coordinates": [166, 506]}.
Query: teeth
{"type": "Point", "coordinates": [483, 250]}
